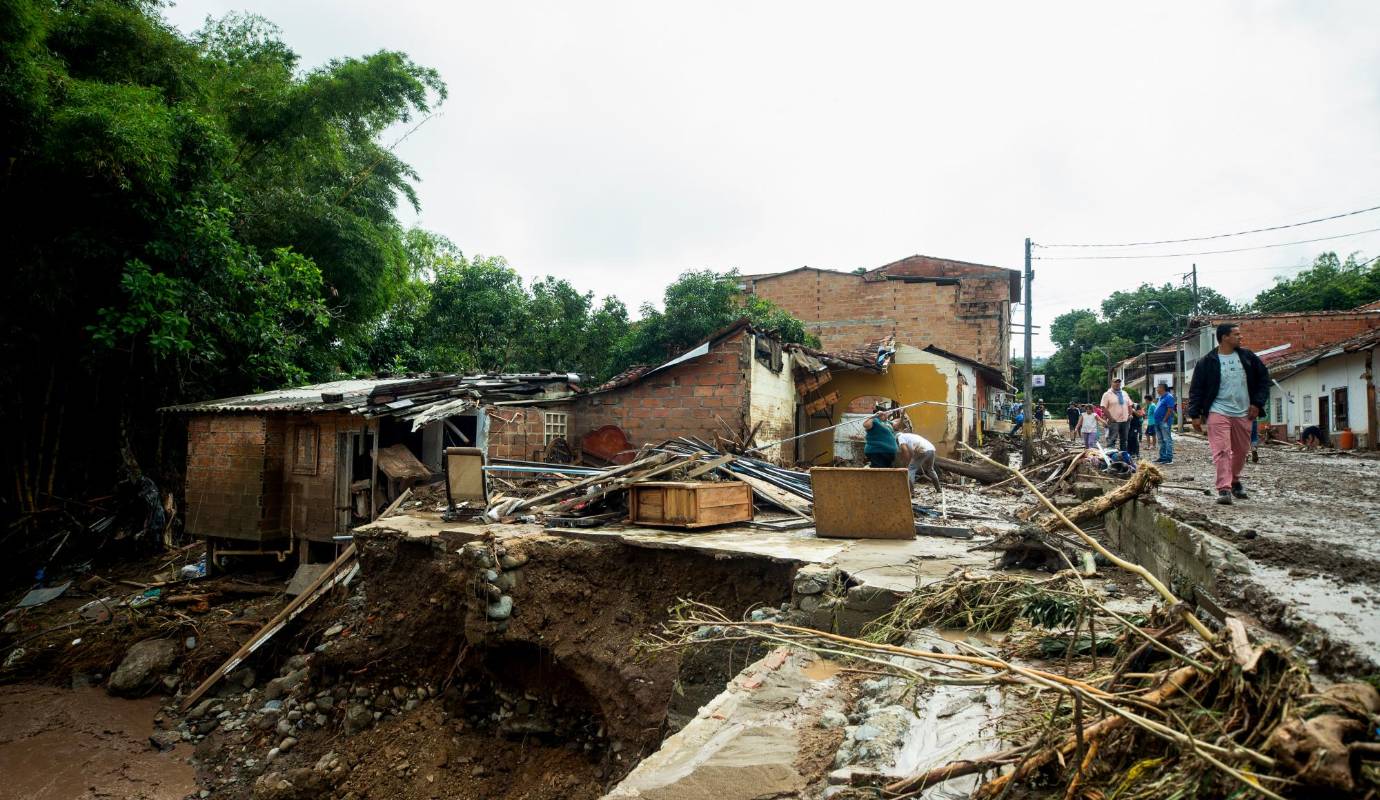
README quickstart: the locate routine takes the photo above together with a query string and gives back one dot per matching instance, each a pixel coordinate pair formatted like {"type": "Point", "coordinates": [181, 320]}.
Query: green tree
{"type": "Point", "coordinates": [1330, 284]}
{"type": "Point", "coordinates": [696, 305]}
{"type": "Point", "coordinates": [184, 217]}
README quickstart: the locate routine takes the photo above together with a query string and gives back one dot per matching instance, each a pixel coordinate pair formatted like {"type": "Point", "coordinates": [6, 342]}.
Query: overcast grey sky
{"type": "Point", "coordinates": [617, 144]}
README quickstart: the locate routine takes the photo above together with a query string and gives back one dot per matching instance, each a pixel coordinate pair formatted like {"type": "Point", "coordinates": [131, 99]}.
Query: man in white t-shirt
{"type": "Point", "coordinates": [918, 453]}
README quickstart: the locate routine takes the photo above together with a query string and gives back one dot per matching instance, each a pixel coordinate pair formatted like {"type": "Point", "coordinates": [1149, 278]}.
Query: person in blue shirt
{"type": "Point", "coordinates": [1163, 420]}
{"type": "Point", "coordinates": [880, 445]}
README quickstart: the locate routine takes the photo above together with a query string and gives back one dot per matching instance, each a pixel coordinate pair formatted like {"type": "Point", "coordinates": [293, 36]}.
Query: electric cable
{"type": "Point", "coordinates": [1208, 252]}
{"type": "Point", "coordinates": [1225, 235]}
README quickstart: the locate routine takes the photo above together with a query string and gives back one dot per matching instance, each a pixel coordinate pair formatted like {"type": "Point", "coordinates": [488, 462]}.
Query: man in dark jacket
{"type": "Point", "coordinates": [1230, 387]}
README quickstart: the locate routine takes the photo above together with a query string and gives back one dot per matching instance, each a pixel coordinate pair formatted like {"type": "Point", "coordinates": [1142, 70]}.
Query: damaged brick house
{"type": "Point", "coordinates": [287, 470]}
{"type": "Point", "coordinates": [961, 307]}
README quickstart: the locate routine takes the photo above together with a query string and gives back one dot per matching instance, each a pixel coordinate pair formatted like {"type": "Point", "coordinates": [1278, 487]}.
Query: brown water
{"type": "Point", "coordinates": [81, 744]}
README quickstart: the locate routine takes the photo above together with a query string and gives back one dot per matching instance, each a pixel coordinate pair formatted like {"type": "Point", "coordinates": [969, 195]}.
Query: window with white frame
{"type": "Point", "coordinates": [554, 423]}
{"type": "Point", "coordinates": [1279, 410]}
{"type": "Point", "coordinates": [1308, 409]}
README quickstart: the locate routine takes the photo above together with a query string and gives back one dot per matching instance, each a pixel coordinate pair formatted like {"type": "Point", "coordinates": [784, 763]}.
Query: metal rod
{"type": "Point", "coordinates": [558, 470]}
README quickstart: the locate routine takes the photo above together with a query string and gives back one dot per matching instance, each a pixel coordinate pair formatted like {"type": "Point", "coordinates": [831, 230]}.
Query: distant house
{"type": "Point", "coordinates": [1331, 386]}
{"type": "Point", "coordinates": [962, 307]}
{"type": "Point", "coordinates": [1284, 341]}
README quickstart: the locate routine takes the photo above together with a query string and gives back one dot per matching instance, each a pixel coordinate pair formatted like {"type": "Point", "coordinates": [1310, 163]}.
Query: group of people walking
{"type": "Point", "coordinates": [1125, 422]}
{"type": "Point", "coordinates": [1231, 386]}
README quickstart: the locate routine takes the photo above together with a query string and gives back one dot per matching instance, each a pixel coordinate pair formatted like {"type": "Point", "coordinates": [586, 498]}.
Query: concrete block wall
{"type": "Point", "coordinates": [679, 401]}
{"type": "Point", "coordinates": [225, 476]}
{"type": "Point", "coordinates": [1177, 553]}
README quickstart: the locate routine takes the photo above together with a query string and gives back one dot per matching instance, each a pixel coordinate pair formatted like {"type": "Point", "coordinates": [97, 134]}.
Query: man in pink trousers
{"type": "Point", "coordinates": [1230, 387]}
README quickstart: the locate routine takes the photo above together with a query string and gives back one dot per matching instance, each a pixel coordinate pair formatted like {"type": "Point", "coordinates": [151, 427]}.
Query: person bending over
{"type": "Point", "coordinates": [880, 445]}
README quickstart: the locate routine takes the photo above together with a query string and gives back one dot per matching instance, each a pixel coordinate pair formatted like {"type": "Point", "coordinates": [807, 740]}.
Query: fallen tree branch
{"type": "Point", "coordinates": [1145, 574]}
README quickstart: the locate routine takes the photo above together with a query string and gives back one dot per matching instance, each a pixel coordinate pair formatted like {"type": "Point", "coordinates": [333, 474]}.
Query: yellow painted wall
{"type": "Point", "coordinates": [914, 376]}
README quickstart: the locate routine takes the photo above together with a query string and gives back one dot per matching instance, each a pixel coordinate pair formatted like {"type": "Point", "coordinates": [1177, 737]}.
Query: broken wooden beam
{"type": "Point", "coordinates": [978, 472]}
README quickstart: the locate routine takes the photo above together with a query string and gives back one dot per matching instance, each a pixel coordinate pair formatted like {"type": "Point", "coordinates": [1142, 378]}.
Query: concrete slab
{"type": "Point", "coordinates": [883, 563]}
{"type": "Point", "coordinates": [746, 743]}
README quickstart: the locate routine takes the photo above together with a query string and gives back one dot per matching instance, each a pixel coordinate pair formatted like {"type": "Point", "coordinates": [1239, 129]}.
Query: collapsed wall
{"type": "Point", "coordinates": [501, 665]}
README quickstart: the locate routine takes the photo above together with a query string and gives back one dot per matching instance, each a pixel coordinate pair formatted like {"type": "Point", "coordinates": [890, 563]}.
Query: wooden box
{"type": "Point", "coordinates": [862, 503]}
{"type": "Point", "coordinates": [689, 504]}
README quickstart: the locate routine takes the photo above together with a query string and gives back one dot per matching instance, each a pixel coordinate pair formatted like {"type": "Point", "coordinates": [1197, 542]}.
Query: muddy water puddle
{"type": "Point", "coordinates": [74, 744]}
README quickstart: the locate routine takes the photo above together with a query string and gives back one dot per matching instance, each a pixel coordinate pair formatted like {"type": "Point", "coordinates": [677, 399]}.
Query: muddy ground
{"type": "Point", "coordinates": [81, 744]}
{"type": "Point", "coordinates": [1308, 530]}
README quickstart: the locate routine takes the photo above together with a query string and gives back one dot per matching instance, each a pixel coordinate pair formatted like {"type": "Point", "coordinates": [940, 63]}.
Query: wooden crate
{"type": "Point", "coordinates": [862, 503]}
{"type": "Point", "coordinates": [689, 504]}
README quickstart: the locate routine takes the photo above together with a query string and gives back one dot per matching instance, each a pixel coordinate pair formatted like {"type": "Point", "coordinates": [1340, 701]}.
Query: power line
{"type": "Point", "coordinates": [1225, 235]}
{"type": "Point", "coordinates": [1210, 252]}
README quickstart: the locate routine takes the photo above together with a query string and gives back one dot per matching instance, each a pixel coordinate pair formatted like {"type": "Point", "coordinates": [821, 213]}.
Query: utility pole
{"type": "Point", "coordinates": [1195, 290]}
{"type": "Point", "coordinates": [1028, 388]}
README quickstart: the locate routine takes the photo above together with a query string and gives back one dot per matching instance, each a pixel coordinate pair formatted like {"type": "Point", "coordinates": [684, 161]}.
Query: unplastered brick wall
{"type": "Point", "coordinates": [225, 475]}
{"type": "Point", "coordinates": [687, 399]}
{"type": "Point", "coordinates": [308, 498]}
{"type": "Point", "coordinates": [846, 311]}
{"type": "Point", "coordinates": [1302, 331]}
{"type": "Point", "coordinates": [516, 431]}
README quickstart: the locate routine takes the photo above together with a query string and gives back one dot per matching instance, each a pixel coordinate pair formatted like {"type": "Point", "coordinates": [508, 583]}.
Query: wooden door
{"type": "Point", "coordinates": [1323, 417]}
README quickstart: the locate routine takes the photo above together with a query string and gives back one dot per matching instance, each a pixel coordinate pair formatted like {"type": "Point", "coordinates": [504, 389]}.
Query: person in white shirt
{"type": "Point", "coordinates": [919, 454]}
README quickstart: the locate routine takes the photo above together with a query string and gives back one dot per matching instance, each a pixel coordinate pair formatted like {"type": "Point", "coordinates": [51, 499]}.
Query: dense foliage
{"type": "Point", "coordinates": [461, 314]}
{"type": "Point", "coordinates": [199, 216]}
{"type": "Point", "coordinates": [184, 216]}
{"type": "Point", "coordinates": [1330, 284]}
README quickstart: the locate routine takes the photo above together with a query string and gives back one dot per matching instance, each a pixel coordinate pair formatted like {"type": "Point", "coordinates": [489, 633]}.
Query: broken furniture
{"type": "Point", "coordinates": [689, 504]}
{"type": "Point", "coordinates": [608, 444]}
{"type": "Point", "coordinates": [466, 489]}
{"type": "Point", "coordinates": [862, 503]}
{"type": "Point", "coordinates": [402, 468]}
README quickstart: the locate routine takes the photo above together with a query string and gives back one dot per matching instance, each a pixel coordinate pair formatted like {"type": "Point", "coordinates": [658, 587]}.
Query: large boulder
{"type": "Point", "coordinates": [144, 664]}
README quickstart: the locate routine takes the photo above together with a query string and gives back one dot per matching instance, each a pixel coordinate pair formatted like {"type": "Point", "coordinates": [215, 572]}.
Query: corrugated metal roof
{"type": "Point", "coordinates": [420, 399]}
{"type": "Point", "coordinates": [296, 398]}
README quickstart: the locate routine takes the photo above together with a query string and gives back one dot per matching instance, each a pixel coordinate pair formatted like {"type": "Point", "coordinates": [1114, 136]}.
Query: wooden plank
{"type": "Point", "coordinates": [862, 503]}
{"type": "Point", "coordinates": [775, 495]}
{"type": "Point", "coordinates": [616, 485]}
{"type": "Point", "coordinates": [593, 479]}
{"type": "Point", "coordinates": [333, 575]}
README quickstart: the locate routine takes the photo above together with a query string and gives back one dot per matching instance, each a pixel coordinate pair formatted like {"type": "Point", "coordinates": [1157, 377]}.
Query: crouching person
{"type": "Point", "coordinates": [918, 454]}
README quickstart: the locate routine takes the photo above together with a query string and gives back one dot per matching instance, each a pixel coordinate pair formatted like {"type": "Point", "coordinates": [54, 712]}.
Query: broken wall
{"type": "Point", "coordinates": [703, 397]}
{"type": "Point", "coordinates": [309, 469]}
{"type": "Point", "coordinates": [914, 375]}
{"type": "Point", "coordinates": [515, 432]}
{"type": "Point", "coordinates": [772, 398]}
{"type": "Point", "coordinates": [967, 315]}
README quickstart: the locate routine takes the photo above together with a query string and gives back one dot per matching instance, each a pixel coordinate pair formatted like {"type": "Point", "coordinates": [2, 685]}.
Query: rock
{"type": "Point", "coordinates": [293, 664]}
{"type": "Point", "coordinates": [199, 710]}
{"type": "Point", "coordinates": [401, 693]}
{"type": "Point", "coordinates": [284, 727]}
{"type": "Point", "coordinates": [334, 630]}
{"type": "Point", "coordinates": [287, 744]}
{"type": "Point", "coordinates": [814, 579]}
{"type": "Point", "coordinates": [272, 706]}
{"type": "Point", "coordinates": [506, 581]}
{"type": "Point", "coordinates": [865, 733]}
{"type": "Point", "coordinates": [512, 560]}
{"type": "Point", "coordinates": [832, 719]}
{"type": "Point", "coordinates": [325, 702]}
{"type": "Point", "coordinates": [142, 666]}
{"type": "Point", "coordinates": [489, 575]}
{"type": "Point", "coordinates": [500, 610]}
{"type": "Point", "coordinates": [278, 687]}
{"type": "Point", "coordinates": [244, 676]}
{"type": "Point", "coordinates": [478, 554]}
{"type": "Point", "coordinates": [309, 707]}
{"type": "Point", "coordinates": [294, 715]}
{"type": "Point", "coordinates": [272, 754]}
{"type": "Point", "coordinates": [357, 718]}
